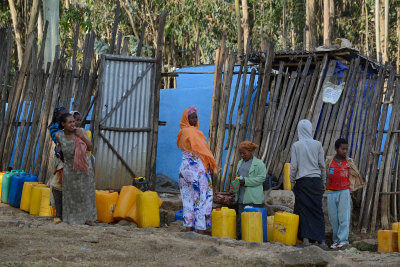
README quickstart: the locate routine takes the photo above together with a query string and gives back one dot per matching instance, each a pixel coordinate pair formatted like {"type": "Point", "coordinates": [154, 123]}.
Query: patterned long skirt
{"type": "Point", "coordinates": [196, 192]}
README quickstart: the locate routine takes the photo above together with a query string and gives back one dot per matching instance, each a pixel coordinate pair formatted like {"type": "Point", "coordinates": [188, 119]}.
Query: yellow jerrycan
{"type": "Point", "coordinates": [148, 211]}
{"type": "Point", "coordinates": [45, 208]}
{"type": "Point", "coordinates": [223, 223]}
{"type": "Point", "coordinates": [387, 241]}
{"type": "Point", "coordinates": [36, 199]}
{"type": "Point", "coordinates": [270, 228]}
{"type": "Point", "coordinates": [286, 177]}
{"type": "Point", "coordinates": [105, 204]}
{"type": "Point", "coordinates": [252, 227]}
{"type": "Point", "coordinates": [1, 181]}
{"type": "Point", "coordinates": [89, 134]}
{"type": "Point", "coordinates": [26, 195]}
{"type": "Point", "coordinates": [132, 214]}
{"type": "Point", "coordinates": [126, 199]}
{"type": "Point", "coordinates": [286, 226]}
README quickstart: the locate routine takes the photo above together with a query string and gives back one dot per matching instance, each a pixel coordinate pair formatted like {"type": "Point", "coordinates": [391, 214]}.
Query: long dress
{"type": "Point", "coordinates": [79, 193]}
{"type": "Point", "coordinates": [196, 192]}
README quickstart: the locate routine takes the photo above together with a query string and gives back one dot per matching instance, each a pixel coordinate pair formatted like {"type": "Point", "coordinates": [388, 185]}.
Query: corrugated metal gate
{"type": "Point", "coordinates": [125, 120]}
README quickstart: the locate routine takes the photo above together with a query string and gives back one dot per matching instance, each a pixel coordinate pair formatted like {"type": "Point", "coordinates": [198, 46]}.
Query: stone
{"type": "Point", "coordinates": [91, 239]}
{"type": "Point", "coordinates": [166, 184]}
{"type": "Point", "coordinates": [280, 197]}
{"type": "Point", "coordinates": [124, 223]}
{"type": "Point", "coordinates": [171, 202]}
{"type": "Point", "coordinates": [210, 251]}
{"type": "Point", "coordinates": [309, 256]}
{"type": "Point", "coordinates": [166, 217]}
{"type": "Point", "coordinates": [366, 245]}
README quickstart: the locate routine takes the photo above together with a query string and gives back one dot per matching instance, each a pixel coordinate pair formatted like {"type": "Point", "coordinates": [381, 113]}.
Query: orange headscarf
{"type": "Point", "coordinates": [191, 139]}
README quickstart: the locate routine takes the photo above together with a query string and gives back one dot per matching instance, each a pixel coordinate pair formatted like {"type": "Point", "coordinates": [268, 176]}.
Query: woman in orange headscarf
{"type": "Point", "coordinates": [194, 173]}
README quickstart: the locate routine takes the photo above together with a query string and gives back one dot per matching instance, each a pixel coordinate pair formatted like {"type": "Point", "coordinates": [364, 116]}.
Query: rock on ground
{"type": "Point", "coordinates": [309, 256]}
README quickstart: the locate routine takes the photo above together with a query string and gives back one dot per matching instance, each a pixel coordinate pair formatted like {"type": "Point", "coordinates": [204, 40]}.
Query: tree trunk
{"type": "Point", "coordinates": [246, 30]}
{"type": "Point", "coordinates": [51, 14]}
{"type": "Point", "coordinates": [32, 19]}
{"type": "Point", "coordinates": [327, 37]}
{"type": "Point", "coordinates": [284, 30]}
{"type": "Point", "coordinates": [331, 20]}
{"type": "Point", "coordinates": [398, 39]}
{"type": "Point", "coordinates": [386, 27]}
{"type": "Point", "coordinates": [131, 21]}
{"type": "Point", "coordinates": [40, 25]}
{"type": "Point", "coordinates": [377, 30]}
{"type": "Point", "coordinates": [310, 25]}
{"type": "Point", "coordinates": [366, 29]}
{"type": "Point", "coordinates": [239, 28]}
{"type": "Point", "coordinates": [18, 39]}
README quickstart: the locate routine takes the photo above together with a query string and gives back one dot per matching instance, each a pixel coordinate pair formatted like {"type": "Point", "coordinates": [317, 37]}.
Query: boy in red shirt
{"type": "Point", "coordinates": [343, 177]}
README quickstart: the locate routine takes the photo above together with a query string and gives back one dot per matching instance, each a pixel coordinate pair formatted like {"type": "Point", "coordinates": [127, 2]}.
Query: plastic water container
{"type": "Point", "coordinates": [89, 134]}
{"type": "Point", "coordinates": [178, 216]}
{"type": "Point", "coordinates": [286, 226]}
{"type": "Point", "coordinates": [286, 177]}
{"type": "Point", "coordinates": [223, 223]}
{"type": "Point", "coordinates": [26, 195]}
{"type": "Point", "coordinates": [127, 198]}
{"type": "Point", "coordinates": [148, 211]}
{"type": "Point", "coordinates": [1, 181]}
{"type": "Point", "coordinates": [6, 183]}
{"type": "Point", "coordinates": [252, 227]}
{"type": "Point", "coordinates": [270, 228]}
{"type": "Point", "coordinates": [105, 204]}
{"type": "Point", "coordinates": [17, 184]}
{"type": "Point", "coordinates": [132, 214]}
{"type": "Point", "coordinates": [45, 208]}
{"type": "Point", "coordinates": [395, 226]}
{"type": "Point", "coordinates": [264, 220]}
{"type": "Point", "coordinates": [36, 199]}
{"type": "Point", "coordinates": [387, 241]}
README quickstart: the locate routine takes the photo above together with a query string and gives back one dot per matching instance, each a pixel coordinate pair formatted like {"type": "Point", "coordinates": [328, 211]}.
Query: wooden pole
{"type": "Point", "coordinates": [159, 57]}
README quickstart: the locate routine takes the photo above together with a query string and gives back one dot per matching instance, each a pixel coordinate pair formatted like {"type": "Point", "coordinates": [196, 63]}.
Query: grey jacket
{"type": "Point", "coordinates": [307, 155]}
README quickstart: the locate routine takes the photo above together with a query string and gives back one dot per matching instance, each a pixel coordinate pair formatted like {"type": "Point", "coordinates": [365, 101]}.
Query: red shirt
{"type": "Point", "coordinates": [339, 176]}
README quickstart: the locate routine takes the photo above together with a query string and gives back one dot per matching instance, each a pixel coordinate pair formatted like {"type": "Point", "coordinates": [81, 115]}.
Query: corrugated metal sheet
{"type": "Point", "coordinates": [119, 74]}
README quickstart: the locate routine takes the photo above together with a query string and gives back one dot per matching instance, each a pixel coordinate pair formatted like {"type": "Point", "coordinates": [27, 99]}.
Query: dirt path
{"type": "Point", "coordinates": [27, 240]}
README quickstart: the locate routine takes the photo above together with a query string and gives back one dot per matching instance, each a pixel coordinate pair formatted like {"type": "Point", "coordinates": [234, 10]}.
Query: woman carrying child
{"type": "Point", "coordinates": [79, 195]}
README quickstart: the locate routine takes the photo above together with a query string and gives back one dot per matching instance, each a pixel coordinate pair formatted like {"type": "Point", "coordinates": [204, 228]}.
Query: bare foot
{"type": "Point", "coordinates": [57, 220]}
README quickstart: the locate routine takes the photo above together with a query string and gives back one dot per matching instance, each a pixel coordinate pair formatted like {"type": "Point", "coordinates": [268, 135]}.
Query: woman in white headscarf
{"type": "Point", "coordinates": [307, 171]}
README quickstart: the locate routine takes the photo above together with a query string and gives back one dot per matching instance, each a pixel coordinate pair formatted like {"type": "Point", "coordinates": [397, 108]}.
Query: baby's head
{"type": "Point", "coordinates": [77, 117]}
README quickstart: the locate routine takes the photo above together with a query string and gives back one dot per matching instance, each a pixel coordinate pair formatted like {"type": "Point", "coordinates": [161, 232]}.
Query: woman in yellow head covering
{"type": "Point", "coordinates": [194, 173]}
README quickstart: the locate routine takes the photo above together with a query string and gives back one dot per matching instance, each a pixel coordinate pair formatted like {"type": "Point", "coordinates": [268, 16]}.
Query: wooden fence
{"type": "Point", "coordinates": [360, 116]}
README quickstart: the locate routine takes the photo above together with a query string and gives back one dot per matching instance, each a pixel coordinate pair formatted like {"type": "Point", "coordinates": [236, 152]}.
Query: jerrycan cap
{"type": "Point", "coordinates": [111, 191]}
{"type": "Point", "coordinates": [40, 182]}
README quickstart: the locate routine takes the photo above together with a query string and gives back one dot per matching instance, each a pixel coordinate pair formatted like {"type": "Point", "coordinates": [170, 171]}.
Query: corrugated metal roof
{"type": "Point", "coordinates": [119, 74]}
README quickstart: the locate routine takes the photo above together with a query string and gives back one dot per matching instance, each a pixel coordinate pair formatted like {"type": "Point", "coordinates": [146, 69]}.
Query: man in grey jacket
{"type": "Point", "coordinates": [307, 174]}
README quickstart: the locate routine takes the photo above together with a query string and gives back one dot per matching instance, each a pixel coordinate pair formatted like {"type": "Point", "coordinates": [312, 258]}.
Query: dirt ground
{"type": "Point", "coordinates": [35, 241]}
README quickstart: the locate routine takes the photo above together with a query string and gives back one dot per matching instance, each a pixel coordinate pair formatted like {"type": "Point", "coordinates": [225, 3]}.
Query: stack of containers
{"type": "Point", "coordinates": [264, 219]}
